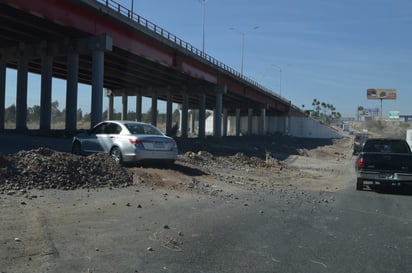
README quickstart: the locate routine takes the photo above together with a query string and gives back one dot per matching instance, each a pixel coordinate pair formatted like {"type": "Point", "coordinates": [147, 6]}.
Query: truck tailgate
{"type": "Point", "coordinates": [387, 162]}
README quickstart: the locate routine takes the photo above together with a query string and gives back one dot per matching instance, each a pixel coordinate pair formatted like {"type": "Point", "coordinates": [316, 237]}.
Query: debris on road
{"type": "Point", "coordinates": [44, 168]}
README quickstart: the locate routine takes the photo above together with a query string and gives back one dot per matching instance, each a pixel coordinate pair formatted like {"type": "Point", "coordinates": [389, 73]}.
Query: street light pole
{"type": "Point", "coordinates": [203, 2]}
{"type": "Point", "coordinates": [243, 44]}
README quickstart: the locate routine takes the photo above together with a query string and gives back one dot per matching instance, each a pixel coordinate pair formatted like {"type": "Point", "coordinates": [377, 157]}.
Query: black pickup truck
{"type": "Point", "coordinates": [384, 161]}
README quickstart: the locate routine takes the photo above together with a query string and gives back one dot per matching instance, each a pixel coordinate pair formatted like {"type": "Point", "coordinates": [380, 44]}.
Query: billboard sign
{"type": "Point", "coordinates": [378, 93]}
{"type": "Point", "coordinates": [394, 114]}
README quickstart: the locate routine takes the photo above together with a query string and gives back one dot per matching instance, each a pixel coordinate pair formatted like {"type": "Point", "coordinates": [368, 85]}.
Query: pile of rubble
{"type": "Point", "coordinates": [48, 169]}
{"type": "Point", "coordinates": [236, 161]}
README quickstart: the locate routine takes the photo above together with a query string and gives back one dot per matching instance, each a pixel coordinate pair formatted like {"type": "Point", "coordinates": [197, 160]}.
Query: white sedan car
{"type": "Point", "coordinates": [126, 141]}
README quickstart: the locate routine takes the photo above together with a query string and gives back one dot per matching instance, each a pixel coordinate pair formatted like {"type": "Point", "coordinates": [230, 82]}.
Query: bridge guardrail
{"type": "Point", "coordinates": [183, 44]}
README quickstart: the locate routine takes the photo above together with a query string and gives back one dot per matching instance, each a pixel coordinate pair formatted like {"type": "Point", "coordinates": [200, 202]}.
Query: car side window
{"type": "Point", "coordinates": [149, 130]}
{"type": "Point", "coordinates": [100, 129]}
{"type": "Point", "coordinates": [135, 129]}
{"type": "Point", "coordinates": [113, 128]}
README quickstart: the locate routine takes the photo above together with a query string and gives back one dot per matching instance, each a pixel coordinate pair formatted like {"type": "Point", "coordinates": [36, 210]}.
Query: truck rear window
{"type": "Point", "coordinates": [386, 146]}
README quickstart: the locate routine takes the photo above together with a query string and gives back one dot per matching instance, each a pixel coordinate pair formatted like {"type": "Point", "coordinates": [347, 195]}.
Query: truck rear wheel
{"type": "Point", "coordinates": [359, 184]}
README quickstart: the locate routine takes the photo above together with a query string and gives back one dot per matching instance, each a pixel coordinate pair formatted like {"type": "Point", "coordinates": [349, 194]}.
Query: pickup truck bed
{"type": "Point", "coordinates": [384, 161]}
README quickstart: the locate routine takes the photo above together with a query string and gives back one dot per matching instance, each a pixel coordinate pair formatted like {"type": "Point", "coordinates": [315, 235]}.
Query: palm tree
{"type": "Point", "coordinates": [323, 104]}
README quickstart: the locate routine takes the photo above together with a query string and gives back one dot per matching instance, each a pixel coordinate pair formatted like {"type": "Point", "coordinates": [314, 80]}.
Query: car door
{"type": "Point", "coordinates": [110, 137]}
{"type": "Point", "coordinates": [97, 139]}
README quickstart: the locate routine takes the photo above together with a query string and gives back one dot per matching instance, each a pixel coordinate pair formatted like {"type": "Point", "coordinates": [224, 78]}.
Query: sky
{"type": "Point", "coordinates": [329, 50]}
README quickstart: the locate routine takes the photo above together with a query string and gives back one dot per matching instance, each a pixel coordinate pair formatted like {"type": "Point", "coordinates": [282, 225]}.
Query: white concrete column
{"type": "Point", "coordinates": [225, 121]}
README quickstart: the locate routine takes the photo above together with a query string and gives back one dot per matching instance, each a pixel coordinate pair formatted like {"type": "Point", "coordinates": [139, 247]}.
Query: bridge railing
{"type": "Point", "coordinates": [181, 43]}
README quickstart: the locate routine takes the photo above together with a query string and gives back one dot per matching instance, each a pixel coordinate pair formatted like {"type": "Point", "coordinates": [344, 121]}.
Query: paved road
{"type": "Point", "coordinates": [294, 231]}
{"type": "Point", "coordinates": [352, 232]}
{"type": "Point", "coordinates": [288, 231]}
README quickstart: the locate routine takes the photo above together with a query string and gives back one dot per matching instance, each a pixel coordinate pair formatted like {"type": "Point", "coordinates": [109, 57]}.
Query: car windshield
{"type": "Point", "coordinates": [142, 129]}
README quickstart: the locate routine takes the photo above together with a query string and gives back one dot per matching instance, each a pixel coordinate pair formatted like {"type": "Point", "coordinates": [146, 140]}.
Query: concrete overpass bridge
{"type": "Point", "coordinates": [119, 53]}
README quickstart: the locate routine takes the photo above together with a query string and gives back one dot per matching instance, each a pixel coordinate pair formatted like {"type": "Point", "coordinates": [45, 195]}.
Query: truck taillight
{"type": "Point", "coordinates": [360, 163]}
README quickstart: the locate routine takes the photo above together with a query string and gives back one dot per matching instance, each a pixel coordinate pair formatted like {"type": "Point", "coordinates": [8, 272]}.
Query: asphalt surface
{"type": "Point", "coordinates": [315, 232]}
{"type": "Point", "coordinates": [282, 231]}
{"type": "Point", "coordinates": [358, 232]}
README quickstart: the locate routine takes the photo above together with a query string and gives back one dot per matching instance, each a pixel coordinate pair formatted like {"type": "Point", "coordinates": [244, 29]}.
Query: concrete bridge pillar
{"type": "Point", "coordinates": [263, 128]}
{"type": "Point", "coordinates": [124, 106]}
{"type": "Point", "coordinates": [99, 46]}
{"type": "Point", "coordinates": [217, 130]}
{"type": "Point", "coordinates": [2, 93]}
{"type": "Point", "coordinates": [185, 109]}
{"type": "Point", "coordinates": [46, 92]}
{"type": "Point", "coordinates": [202, 115]}
{"type": "Point", "coordinates": [237, 122]}
{"type": "Point", "coordinates": [110, 109]}
{"type": "Point", "coordinates": [139, 107]}
{"type": "Point", "coordinates": [169, 113]}
{"type": "Point", "coordinates": [288, 124]}
{"type": "Point", "coordinates": [72, 91]}
{"type": "Point", "coordinates": [21, 98]}
{"type": "Point", "coordinates": [192, 121]}
{"type": "Point", "coordinates": [194, 118]}
{"type": "Point", "coordinates": [97, 87]}
{"type": "Point", "coordinates": [154, 109]}
{"type": "Point", "coordinates": [249, 121]}
{"type": "Point", "coordinates": [225, 121]}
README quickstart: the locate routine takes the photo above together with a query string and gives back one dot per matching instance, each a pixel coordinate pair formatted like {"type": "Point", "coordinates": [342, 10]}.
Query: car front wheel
{"type": "Point", "coordinates": [116, 155]}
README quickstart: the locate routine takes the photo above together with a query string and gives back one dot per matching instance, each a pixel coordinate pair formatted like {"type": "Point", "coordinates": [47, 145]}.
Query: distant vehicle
{"type": "Point", "coordinates": [358, 142]}
{"type": "Point", "coordinates": [345, 127]}
{"type": "Point", "coordinates": [126, 141]}
{"type": "Point", "coordinates": [409, 137]}
{"type": "Point", "coordinates": [384, 161]}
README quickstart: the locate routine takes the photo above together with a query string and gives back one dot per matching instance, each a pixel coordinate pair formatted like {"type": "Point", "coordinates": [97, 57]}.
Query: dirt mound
{"type": "Point", "coordinates": [44, 169]}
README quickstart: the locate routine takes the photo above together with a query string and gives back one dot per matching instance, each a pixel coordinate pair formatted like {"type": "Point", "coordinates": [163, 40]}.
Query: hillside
{"type": "Point", "coordinates": [383, 128]}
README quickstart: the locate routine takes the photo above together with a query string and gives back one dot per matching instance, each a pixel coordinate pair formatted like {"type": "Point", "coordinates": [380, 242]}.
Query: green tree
{"type": "Point", "coordinates": [10, 114]}
{"type": "Point", "coordinates": [33, 113]}
{"type": "Point", "coordinates": [79, 114]}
